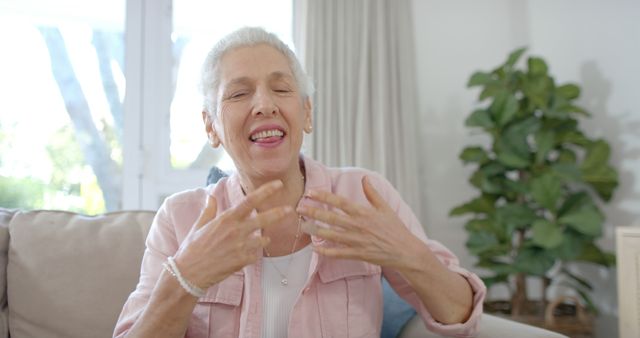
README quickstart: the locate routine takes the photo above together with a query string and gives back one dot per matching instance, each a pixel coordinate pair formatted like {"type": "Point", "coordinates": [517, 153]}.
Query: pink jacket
{"type": "Point", "coordinates": [342, 298]}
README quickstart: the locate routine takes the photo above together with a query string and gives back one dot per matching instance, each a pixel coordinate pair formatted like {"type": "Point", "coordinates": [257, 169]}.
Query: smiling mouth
{"type": "Point", "coordinates": [267, 135]}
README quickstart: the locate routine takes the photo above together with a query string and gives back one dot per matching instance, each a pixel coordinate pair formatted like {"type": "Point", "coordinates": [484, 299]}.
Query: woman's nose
{"type": "Point", "coordinates": [264, 103]}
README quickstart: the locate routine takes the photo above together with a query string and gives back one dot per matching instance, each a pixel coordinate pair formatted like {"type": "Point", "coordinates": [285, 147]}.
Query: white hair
{"type": "Point", "coordinates": [243, 37]}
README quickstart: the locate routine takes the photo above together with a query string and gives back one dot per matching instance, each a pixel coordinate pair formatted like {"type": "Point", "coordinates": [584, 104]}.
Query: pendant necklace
{"type": "Point", "coordinates": [285, 281]}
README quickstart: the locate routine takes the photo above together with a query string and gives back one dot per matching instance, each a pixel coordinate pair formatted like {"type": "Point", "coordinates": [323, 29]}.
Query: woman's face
{"type": "Point", "coordinates": [261, 113]}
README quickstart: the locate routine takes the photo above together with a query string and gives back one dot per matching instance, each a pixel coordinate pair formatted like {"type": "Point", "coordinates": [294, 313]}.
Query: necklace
{"type": "Point", "coordinates": [285, 281]}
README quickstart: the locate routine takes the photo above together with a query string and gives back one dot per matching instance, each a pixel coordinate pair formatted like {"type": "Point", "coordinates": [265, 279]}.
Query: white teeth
{"type": "Point", "coordinates": [267, 133]}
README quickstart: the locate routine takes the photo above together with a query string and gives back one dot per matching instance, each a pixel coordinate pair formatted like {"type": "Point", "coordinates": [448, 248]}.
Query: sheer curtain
{"type": "Point", "coordinates": [360, 55]}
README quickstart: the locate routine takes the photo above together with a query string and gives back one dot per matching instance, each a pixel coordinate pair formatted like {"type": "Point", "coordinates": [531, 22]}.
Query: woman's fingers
{"type": "Point", "coordinates": [253, 199]}
{"type": "Point", "coordinates": [327, 216]}
{"type": "Point", "coordinates": [208, 213]}
{"type": "Point", "coordinates": [266, 218]}
{"type": "Point", "coordinates": [344, 252]}
{"type": "Point", "coordinates": [372, 195]}
{"type": "Point", "coordinates": [341, 237]}
{"type": "Point", "coordinates": [336, 201]}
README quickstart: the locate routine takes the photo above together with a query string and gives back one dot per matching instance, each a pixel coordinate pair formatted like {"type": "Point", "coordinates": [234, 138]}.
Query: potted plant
{"type": "Point", "coordinates": [537, 179]}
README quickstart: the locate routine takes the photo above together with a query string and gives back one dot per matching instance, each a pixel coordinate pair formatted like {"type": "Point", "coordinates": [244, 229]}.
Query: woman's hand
{"type": "Point", "coordinates": [374, 233]}
{"type": "Point", "coordinates": [219, 245]}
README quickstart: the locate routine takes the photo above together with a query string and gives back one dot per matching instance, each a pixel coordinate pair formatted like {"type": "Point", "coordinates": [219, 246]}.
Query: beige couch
{"type": "Point", "coordinates": [67, 275]}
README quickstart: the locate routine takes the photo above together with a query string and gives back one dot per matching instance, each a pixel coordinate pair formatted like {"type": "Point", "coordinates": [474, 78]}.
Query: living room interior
{"type": "Point", "coordinates": [102, 114]}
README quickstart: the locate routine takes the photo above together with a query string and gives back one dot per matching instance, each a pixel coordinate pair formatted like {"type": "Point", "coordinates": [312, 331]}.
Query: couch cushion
{"type": "Point", "coordinates": [68, 275]}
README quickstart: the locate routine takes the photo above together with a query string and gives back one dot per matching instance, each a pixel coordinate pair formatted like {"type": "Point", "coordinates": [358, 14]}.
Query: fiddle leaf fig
{"type": "Point", "coordinates": [533, 261]}
{"type": "Point", "coordinates": [545, 140]}
{"type": "Point", "coordinates": [587, 221]}
{"type": "Point", "coordinates": [546, 234]}
{"type": "Point", "coordinates": [539, 179]}
{"type": "Point", "coordinates": [504, 108]}
{"type": "Point", "coordinates": [514, 56]}
{"type": "Point", "coordinates": [546, 190]}
{"type": "Point", "coordinates": [569, 91]}
{"type": "Point", "coordinates": [479, 118]}
{"type": "Point", "coordinates": [482, 205]}
{"type": "Point", "coordinates": [474, 154]}
{"type": "Point", "coordinates": [537, 66]}
{"type": "Point", "coordinates": [480, 78]}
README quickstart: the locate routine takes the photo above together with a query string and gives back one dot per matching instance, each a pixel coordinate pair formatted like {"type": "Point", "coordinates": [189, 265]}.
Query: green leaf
{"type": "Point", "coordinates": [568, 91]}
{"type": "Point", "coordinates": [479, 118]}
{"type": "Point", "coordinates": [575, 109]}
{"type": "Point", "coordinates": [537, 90]}
{"type": "Point", "coordinates": [516, 186]}
{"type": "Point", "coordinates": [593, 254]}
{"type": "Point", "coordinates": [500, 268]}
{"type": "Point", "coordinates": [546, 190]}
{"type": "Point", "coordinates": [571, 247]}
{"type": "Point", "coordinates": [481, 241]}
{"type": "Point", "coordinates": [604, 189]}
{"type": "Point", "coordinates": [495, 280]}
{"type": "Point", "coordinates": [507, 156]}
{"type": "Point", "coordinates": [591, 306]}
{"type": "Point", "coordinates": [546, 234]}
{"type": "Point", "coordinates": [474, 155]}
{"type": "Point", "coordinates": [504, 108]}
{"type": "Point", "coordinates": [545, 140]}
{"type": "Point", "coordinates": [493, 168]}
{"type": "Point", "coordinates": [491, 90]}
{"type": "Point", "coordinates": [537, 66]}
{"type": "Point", "coordinates": [567, 156]}
{"type": "Point", "coordinates": [518, 131]}
{"type": "Point", "coordinates": [480, 79]}
{"type": "Point", "coordinates": [478, 225]}
{"type": "Point", "coordinates": [575, 137]}
{"type": "Point", "coordinates": [575, 202]}
{"type": "Point", "coordinates": [557, 108]}
{"type": "Point", "coordinates": [586, 220]}
{"type": "Point", "coordinates": [479, 205]}
{"type": "Point", "coordinates": [581, 281]}
{"type": "Point", "coordinates": [512, 149]}
{"type": "Point", "coordinates": [515, 216]}
{"type": "Point", "coordinates": [567, 172]}
{"type": "Point", "coordinates": [597, 172]}
{"type": "Point", "coordinates": [514, 56]}
{"type": "Point", "coordinates": [488, 185]}
{"type": "Point", "coordinates": [533, 261]}
{"type": "Point", "coordinates": [597, 155]}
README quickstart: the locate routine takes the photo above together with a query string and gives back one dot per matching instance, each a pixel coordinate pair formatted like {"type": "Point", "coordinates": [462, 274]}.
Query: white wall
{"type": "Point", "coordinates": [594, 43]}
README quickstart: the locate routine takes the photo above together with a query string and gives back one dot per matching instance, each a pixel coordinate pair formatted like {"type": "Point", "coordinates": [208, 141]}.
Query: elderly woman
{"type": "Point", "coordinates": [285, 247]}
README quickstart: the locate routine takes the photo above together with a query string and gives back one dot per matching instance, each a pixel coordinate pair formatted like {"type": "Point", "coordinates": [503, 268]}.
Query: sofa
{"type": "Point", "coordinates": [67, 275]}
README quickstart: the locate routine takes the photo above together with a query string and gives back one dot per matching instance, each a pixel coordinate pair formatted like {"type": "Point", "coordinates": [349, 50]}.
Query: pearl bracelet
{"type": "Point", "coordinates": [172, 268]}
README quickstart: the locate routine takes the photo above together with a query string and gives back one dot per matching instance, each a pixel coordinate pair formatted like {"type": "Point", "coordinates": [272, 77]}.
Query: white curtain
{"type": "Point", "coordinates": [360, 56]}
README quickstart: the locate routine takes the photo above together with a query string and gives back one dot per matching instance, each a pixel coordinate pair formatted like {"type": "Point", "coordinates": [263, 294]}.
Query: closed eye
{"type": "Point", "coordinates": [237, 95]}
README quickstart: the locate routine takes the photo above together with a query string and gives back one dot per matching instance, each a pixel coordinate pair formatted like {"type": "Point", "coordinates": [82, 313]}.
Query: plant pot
{"type": "Point", "coordinates": [563, 315]}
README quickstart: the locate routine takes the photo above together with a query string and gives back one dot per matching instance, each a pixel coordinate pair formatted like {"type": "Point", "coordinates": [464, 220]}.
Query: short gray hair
{"type": "Point", "coordinates": [243, 37]}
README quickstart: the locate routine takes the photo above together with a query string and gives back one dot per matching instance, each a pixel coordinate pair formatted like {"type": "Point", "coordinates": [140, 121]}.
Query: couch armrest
{"type": "Point", "coordinates": [490, 327]}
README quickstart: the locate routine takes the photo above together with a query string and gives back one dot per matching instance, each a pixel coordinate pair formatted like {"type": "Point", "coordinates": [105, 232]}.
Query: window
{"type": "Point", "coordinates": [61, 95]}
{"type": "Point", "coordinates": [74, 135]}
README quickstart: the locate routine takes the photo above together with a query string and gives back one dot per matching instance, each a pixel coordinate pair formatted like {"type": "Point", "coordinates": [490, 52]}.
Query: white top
{"type": "Point", "coordinates": [278, 299]}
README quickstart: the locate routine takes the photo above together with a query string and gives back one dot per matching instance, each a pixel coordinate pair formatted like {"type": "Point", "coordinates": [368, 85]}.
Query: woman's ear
{"type": "Point", "coordinates": [308, 116]}
{"type": "Point", "coordinates": [214, 141]}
